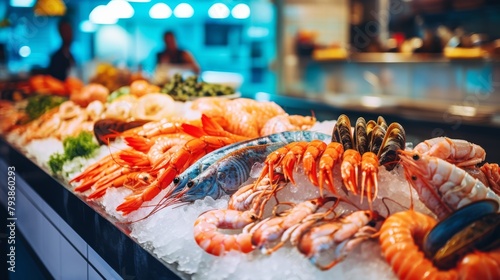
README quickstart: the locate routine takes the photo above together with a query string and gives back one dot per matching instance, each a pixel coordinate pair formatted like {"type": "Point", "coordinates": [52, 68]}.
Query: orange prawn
{"type": "Point", "coordinates": [351, 160]}
{"type": "Point", "coordinates": [313, 152]}
{"type": "Point", "coordinates": [293, 156]}
{"type": "Point", "coordinates": [180, 160]}
{"type": "Point", "coordinates": [332, 155]}
{"type": "Point", "coordinates": [369, 176]}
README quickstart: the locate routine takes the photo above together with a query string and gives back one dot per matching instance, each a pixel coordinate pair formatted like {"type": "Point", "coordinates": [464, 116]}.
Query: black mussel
{"type": "Point", "coordinates": [381, 122]}
{"type": "Point", "coordinates": [342, 132]}
{"type": "Point", "coordinates": [394, 140]}
{"type": "Point", "coordinates": [456, 222]}
{"type": "Point", "coordinates": [377, 138]}
{"type": "Point", "coordinates": [481, 234]}
{"type": "Point", "coordinates": [360, 137]}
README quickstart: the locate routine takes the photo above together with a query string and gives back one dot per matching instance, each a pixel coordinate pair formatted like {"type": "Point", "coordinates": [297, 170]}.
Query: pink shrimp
{"type": "Point", "coordinates": [457, 151]}
{"type": "Point", "coordinates": [271, 229]}
{"type": "Point", "coordinates": [442, 186]}
{"type": "Point", "coordinates": [214, 242]}
{"type": "Point", "coordinates": [343, 235]}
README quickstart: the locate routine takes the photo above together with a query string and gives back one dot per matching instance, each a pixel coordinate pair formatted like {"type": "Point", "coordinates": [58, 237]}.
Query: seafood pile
{"type": "Point", "coordinates": [246, 182]}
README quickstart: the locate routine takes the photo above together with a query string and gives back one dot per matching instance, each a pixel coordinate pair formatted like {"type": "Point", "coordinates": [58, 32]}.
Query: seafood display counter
{"type": "Point", "coordinates": [246, 192]}
{"type": "Point", "coordinates": [92, 242]}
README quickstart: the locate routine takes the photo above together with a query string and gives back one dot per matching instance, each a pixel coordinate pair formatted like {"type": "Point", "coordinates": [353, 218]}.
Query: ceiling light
{"type": "Point", "coordinates": [22, 3]}
{"type": "Point", "coordinates": [160, 11]}
{"type": "Point", "coordinates": [218, 10]}
{"type": "Point", "coordinates": [183, 10]}
{"type": "Point", "coordinates": [102, 15]}
{"type": "Point", "coordinates": [241, 11]}
{"type": "Point", "coordinates": [24, 51]}
{"type": "Point", "coordinates": [121, 8]}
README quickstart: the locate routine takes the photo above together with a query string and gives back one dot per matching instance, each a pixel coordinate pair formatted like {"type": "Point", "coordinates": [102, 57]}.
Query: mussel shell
{"type": "Point", "coordinates": [394, 140]}
{"type": "Point", "coordinates": [377, 137]}
{"type": "Point", "coordinates": [360, 136]}
{"type": "Point", "coordinates": [381, 122]}
{"type": "Point", "coordinates": [456, 222]}
{"type": "Point", "coordinates": [342, 132]}
{"type": "Point", "coordinates": [370, 125]}
{"type": "Point", "coordinates": [478, 235]}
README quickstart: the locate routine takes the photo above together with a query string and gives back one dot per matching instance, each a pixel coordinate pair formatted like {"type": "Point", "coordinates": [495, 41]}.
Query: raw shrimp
{"type": "Point", "coordinates": [456, 151]}
{"type": "Point", "coordinates": [272, 229]}
{"type": "Point", "coordinates": [442, 186]}
{"type": "Point", "coordinates": [286, 122]}
{"type": "Point", "coordinates": [342, 234]}
{"type": "Point", "coordinates": [214, 242]}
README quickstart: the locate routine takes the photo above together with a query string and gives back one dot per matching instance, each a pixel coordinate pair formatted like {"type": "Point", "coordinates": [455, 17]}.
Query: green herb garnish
{"type": "Point", "coordinates": [56, 162]}
{"type": "Point", "coordinates": [82, 145]}
{"type": "Point", "coordinates": [40, 104]}
{"type": "Point", "coordinates": [185, 89]}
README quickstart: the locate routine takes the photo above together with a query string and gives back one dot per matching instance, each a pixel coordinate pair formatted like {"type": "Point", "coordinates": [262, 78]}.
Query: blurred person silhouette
{"type": "Point", "coordinates": [173, 55]}
{"type": "Point", "coordinates": [62, 60]}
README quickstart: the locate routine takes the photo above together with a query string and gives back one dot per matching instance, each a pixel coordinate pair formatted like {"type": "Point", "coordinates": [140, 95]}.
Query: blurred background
{"type": "Point", "coordinates": [359, 54]}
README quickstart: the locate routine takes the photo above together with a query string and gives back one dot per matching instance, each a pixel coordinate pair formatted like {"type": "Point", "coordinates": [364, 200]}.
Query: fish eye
{"type": "Point", "coordinates": [414, 178]}
{"type": "Point", "coordinates": [190, 184]}
{"type": "Point", "coordinates": [314, 202]}
{"type": "Point", "coordinates": [176, 180]}
{"type": "Point", "coordinates": [416, 157]}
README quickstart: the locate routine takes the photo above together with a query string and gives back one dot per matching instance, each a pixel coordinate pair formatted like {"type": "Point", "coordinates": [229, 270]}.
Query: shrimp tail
{"type": "Point", "coordinates": [139, 143]}
{"type": "Point", "coordinates": [193, 130]}
{"type": "Point", "coordinates": [134, 201]}
{"type": "Point", "coordinates": [134, 158]}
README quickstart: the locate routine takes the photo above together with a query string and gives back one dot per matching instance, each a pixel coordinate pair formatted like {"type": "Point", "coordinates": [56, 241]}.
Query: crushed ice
{"type": "Point", "coordinates": [168, 233]}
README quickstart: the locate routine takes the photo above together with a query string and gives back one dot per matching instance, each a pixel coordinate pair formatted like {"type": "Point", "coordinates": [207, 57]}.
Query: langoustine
{"type": "Point", "coordinates": [442, 186]}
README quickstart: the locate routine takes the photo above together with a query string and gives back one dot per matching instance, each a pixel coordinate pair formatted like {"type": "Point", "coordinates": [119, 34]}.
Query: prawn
{"type": "Point", "coordinates": [369, 176]}
{"type": "Point", "coordinates": [456, 151]}
{"type": "Point", "coordinates": [332, 155]}
{"type": "Point", "coordinates": [180, 160]}
{"type": "Point", "coordinates": [492, 173]}
{"type": "Point", "coordinates": [442, 186]}
{"type": "Point", "coordinates": [214, 242]}
{"type": "Point", "coordinates": [313, 152]}
{"type": "Point", "coordinates": [285, 122]}
{"type": "Point", "coordinates": [351, 160]}
{"type": "Point", "coordinates": [271, 229]}
{"type": "Point", "coordinates": [343, 234]}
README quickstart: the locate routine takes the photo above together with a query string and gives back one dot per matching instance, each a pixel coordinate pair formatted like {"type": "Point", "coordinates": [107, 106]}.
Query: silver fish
{"type": "Point", "coordinates": [227, 174]}
{"type": "Point", "coordinates": [202, 164]}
